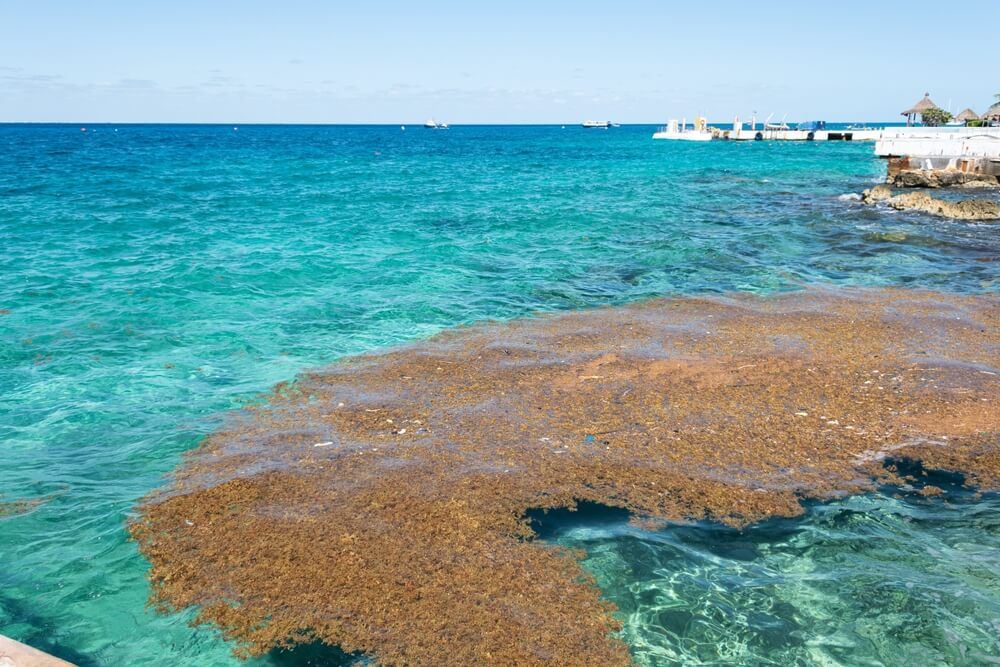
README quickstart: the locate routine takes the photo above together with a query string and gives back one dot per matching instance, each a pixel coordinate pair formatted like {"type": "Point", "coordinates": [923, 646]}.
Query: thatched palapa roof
{"type": "Point", "coordinates": [993, 113]}
{"type": "Point", "coordinates": [967, 115]}
{"type": "Point", "coordinates": [921, 106]}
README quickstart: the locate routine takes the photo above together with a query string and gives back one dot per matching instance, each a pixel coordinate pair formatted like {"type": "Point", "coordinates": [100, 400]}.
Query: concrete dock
{"type": "Point", "coordinates": [983, 142]}
{"type": "Point", "coordinates": [923, 141]}
{"type": "Point", "coordinates": [761, 134]}
{"type": "Point", "coordinates": [16, 654]}
{"type": "Point", "coordinates": [941, 156]}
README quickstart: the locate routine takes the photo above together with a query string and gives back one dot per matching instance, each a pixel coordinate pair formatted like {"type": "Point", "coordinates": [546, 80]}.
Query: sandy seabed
{"type": "Point", "coordinates": [379, 504]}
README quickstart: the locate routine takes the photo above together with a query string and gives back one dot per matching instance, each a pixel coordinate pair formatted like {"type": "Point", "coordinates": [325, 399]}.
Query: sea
{"type": "Point", "coordinates": [154, 278]}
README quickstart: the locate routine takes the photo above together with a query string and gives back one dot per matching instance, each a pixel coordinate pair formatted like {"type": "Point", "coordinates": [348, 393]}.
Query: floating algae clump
{"type": "Point", "coordinates": [380, 505]}
{"type": "Point", "coordinates": [9, 508]}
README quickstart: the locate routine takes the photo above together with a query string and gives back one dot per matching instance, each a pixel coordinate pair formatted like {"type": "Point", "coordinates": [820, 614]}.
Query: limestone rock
{"type": "Point", "coordinates": [877, 194]}
{"type": "Point", "coordinates": [976, 209]}
{"type": "Point", "coordinates": [943, 178]}
{"type": "Point", "coordinates": [915, 179]}
{"type": "Point", "coordinates": [981, 182]}
{"type": "Point", "coordinates": [969, 209]}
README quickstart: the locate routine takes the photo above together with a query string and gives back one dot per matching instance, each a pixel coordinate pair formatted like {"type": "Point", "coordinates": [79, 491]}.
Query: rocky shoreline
{"type": "Point", "coordinates": [940, 178]}
{"type": "Point", "coordinates": [968, 209]}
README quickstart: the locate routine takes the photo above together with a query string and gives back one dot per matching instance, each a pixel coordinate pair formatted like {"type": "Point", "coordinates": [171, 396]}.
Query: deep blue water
{"type": "Point", "coordinates": [154, 276]}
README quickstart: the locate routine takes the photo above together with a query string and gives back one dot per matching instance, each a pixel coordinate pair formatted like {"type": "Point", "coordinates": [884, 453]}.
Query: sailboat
{"type": "Point", "coordinates": [954, 122]}
{"type": "Point", "coordinates": [782, 126]}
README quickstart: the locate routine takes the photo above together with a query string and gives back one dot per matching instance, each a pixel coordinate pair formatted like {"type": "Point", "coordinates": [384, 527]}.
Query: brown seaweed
{"type": "Point", "coordinates": [10, 508]}
{"type": "Point", "coordinates": [379, 505]}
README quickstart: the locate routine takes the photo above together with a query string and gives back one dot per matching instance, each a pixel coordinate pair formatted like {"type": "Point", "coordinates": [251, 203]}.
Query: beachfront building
{"type": "Point", "coordinates": [917, 110]}
{"type": "Point", "coordinates": [966, 116]}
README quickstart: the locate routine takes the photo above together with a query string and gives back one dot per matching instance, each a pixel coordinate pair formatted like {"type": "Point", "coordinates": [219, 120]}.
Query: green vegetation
{"type": "Point", "coordinates": [935, 117]}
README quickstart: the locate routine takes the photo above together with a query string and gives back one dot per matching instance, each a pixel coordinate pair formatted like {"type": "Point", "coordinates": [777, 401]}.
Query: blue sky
{"type": "Point", "coordinates": [504, 62]}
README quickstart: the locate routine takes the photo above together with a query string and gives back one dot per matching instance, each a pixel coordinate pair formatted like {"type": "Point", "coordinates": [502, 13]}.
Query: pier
{"type": "Point", "coordinates": [809, 131]}
{"type": "Point", "coordinates": [770, 134]}
{"type": "Point", "coordinates": [766, 131]}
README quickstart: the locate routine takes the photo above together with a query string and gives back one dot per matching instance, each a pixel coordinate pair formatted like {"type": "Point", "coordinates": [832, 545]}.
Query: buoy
{"type": "Point", "coordinates": [403, 128]}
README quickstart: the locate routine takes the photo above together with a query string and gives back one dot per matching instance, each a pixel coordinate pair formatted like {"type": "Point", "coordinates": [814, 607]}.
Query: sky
{"type": "Point", "coordinates": [629, 61]}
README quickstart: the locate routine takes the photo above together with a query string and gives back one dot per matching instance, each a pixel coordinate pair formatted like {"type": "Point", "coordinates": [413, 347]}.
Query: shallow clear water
{"type": "Point", "coordinates": [154, 276]}
{"type": "Point", "coordinates": [886, 579]}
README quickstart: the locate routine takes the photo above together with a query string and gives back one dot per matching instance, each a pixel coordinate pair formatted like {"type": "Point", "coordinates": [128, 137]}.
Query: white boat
{"type": "Point", "coordinates": [778, 127]}
{"type": "Point", "coordinates": [434, 125]}
{"type": "Point", "coordinates": [679, 132]}
{"type": "Point", "coordinates": [596, 124]}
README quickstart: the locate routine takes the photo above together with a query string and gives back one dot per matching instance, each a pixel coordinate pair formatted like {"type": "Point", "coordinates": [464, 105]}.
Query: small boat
{"type": "Point", "coordinates": [680, 132]}
{"type": "Point", "coordinates": [780, 127]}
{"type": "Point", "coordinates": [596, 124]}
{"type": "Point", "coordinates": [434, 125]}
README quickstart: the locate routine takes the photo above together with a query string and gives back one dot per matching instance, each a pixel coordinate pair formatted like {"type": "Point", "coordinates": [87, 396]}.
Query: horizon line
{"type": "Point", "coordinates": [372, 124]}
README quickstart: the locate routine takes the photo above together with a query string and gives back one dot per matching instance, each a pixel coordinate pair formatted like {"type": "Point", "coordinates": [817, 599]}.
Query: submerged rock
{"type": "Point", "coordinates": [889, 237]}
{"type": "Point", "coordinates": [969, 209]}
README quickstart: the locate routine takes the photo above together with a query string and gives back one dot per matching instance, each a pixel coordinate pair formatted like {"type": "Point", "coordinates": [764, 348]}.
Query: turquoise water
{"type": "Point", "coordinates": [154, 276]}
{"type": "Point", "coordinates": [886, 579]}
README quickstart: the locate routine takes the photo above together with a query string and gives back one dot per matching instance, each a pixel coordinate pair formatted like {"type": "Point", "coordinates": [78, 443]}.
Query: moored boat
{"type": "Point", "coordinates": [680, 132]}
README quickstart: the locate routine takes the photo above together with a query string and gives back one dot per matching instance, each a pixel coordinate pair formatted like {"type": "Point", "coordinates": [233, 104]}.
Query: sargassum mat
{"type": "Point", "coordinates": [379, 504]}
